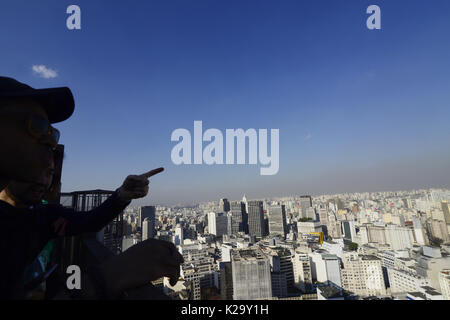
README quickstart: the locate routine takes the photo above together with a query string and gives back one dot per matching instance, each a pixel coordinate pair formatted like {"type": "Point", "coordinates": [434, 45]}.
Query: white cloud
{"type": "Point", "coordinates": [44, 72]}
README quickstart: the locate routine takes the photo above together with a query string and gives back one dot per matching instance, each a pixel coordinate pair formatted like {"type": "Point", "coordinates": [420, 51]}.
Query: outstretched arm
{"type": "Point", "coordinates": [67, 222]}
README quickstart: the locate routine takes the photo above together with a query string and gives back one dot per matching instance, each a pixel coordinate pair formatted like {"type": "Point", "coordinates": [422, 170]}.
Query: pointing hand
{"type": "Point", "coordinates": [136, 186]}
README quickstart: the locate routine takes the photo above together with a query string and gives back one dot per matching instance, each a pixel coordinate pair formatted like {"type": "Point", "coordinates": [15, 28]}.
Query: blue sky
{"type": "Point", "coordinates": [357, 110]}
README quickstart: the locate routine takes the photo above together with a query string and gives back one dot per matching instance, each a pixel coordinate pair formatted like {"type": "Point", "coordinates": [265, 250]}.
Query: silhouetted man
{"type": "Point", "coordinates": [26, 115]}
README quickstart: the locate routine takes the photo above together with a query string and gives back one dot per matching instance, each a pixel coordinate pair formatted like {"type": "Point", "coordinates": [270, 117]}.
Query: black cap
{"type": "Point", "coordinates": [57, 102]}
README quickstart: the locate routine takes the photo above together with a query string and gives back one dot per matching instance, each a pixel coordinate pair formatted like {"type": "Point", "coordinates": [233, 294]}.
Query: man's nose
{"type": "Point", "coordinates": [49, 141]}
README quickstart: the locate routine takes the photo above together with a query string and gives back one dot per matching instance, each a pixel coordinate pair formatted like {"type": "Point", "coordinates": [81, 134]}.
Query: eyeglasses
{"type": "Point", "coordinates": [38, 127]}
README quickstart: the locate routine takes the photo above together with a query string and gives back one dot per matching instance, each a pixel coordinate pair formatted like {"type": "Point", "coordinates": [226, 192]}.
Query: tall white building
{"type": "Point", "coordinates": [147, 213]}
{"type": "Point", "coordinates": [362, 275]}
{"type": "Point", "coordinates": [217, 224]}
{"type": "Point", "coordinates": [399, 238]}
{"type": "Point", "coordinates": [402, 281]}
{"type": "Point", "coordinates": [179, 235]}
{"type": "Point", "coordinates": [251, 275]}
{"type": "Point", "coordinates": [146, 229]}
{"type": "Point", "coordinates": [325, 268]}
{"type": "Point", "coordinates": [302, 271]}
{"type": "Point", "coordinates": [226, 252]}
{"type": "Point", "coordinates": [418, 231]}
{"type": "Point", "coordinates": [363, 235]}
{"type": "Point", "coordinates": [277, 220]}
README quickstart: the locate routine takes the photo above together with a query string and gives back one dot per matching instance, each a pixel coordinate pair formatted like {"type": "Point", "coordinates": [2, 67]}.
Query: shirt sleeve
{"type": "Point", "coordinates": [68, 222]}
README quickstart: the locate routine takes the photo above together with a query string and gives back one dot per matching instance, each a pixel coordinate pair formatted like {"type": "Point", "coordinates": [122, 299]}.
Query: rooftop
{"type": "Point", "coordinates": [247, 254]}
{"type": "Point", "coordinates": [369, 257]}
{"type": "Point", "coordinates": [330, 292]}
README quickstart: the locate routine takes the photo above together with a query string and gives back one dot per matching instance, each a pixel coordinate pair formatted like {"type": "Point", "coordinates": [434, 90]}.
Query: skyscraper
{"type": "Point", "coordinates": [148, 212]}
{"type": "Point", "coordinates": [277, 220]}
{"type": "Point", "coordinates": [217, 223]}
{"type": "Point", "coordinates": [226, 281]}
{"type": "Point", "coordinates": [239, 217]}
{"type": "Point", "coordinates": [305, 203]}
{"type": "Point", "coordinates": [256, 219]}
{"type": "Point", "coordinates": [418, 231]}
{"type": "Point", "coordinates": [146, 229]}
{"type": "Point", "coordinates": [244, 200]}
{"type": "Point", "coordinates": [179, 235]}
{"type": "Point", "coordinates": [224, 205]}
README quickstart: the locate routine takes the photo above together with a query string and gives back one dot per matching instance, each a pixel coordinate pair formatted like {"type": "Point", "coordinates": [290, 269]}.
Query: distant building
{"type": "Point", "coordinates": [217, 224]}
{"type": "Point", "coordinates": [148, 212]}
{"type": "Point", "coordinates": [238, 217]}
{"type": "Point", "coordinates": [147, 229]}
{"type": "Point", "coordinates": [179, 235]}
{"type": "Point", "coordinates": [226, 281]}
{"type": "Point", "coordinates": [224, 205]}
{"type": "Point", "coordinates": [349, 230]}
{"type": "Point", "coordinates": [305, 203]}
{"type": "Point", "coordinates": [419, 231]}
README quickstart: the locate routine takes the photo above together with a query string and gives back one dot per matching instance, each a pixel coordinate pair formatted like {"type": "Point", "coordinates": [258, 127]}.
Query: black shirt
{"type": "Point", "coordinates": [25, 232]}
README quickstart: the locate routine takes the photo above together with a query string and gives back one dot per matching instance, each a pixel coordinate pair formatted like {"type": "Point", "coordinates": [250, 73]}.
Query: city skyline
{"type": "Point", "coordinates": [136, 203]}
{"type": "Point", "coordinates": [368, 246]}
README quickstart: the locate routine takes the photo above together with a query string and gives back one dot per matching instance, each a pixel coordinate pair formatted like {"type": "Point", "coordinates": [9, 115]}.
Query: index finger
{"type": "Point", "coordinates": [152, 172]}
